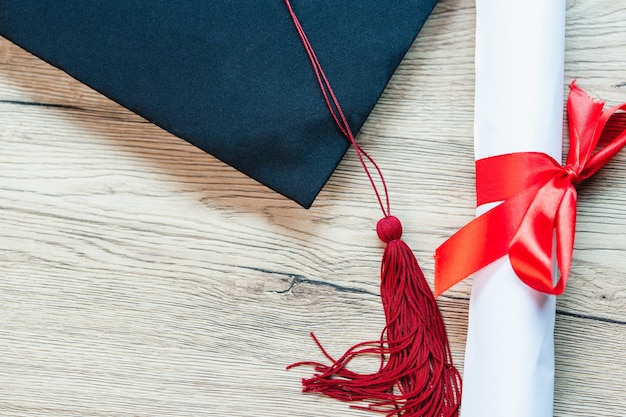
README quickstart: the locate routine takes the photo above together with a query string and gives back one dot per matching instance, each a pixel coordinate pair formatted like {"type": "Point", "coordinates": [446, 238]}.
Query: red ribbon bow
{"type": "Point", "coordinates": [539, 205]}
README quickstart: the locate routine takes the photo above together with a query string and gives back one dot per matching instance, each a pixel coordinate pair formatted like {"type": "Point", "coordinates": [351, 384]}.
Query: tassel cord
{"type": "Point", "coordinates": [339, 117]}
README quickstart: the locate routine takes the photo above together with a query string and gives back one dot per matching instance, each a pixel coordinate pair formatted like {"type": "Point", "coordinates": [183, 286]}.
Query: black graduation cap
{"type": "Point", "coordinates": [230, 77]}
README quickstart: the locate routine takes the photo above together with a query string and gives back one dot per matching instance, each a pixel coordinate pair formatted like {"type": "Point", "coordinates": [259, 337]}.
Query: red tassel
{"type": "Point", "coordinates": [416, 376]}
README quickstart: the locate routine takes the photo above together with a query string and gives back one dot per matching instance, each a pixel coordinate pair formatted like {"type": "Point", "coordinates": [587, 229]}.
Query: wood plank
{"type": "Point", "coordinates": [142, 277]}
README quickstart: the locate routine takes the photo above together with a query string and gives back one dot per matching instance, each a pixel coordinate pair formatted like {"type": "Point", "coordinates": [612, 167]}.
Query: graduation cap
{"type": "Point", "coordinates": [230, 77]}
{"type": "Point", "coordinates": [245, 82]}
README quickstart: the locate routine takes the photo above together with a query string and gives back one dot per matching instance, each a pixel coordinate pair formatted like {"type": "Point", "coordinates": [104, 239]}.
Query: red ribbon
{"type": "Point", "coordinates": [539, 205]}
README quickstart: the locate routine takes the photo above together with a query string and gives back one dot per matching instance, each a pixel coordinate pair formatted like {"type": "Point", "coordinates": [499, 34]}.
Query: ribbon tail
{"type": "Point", "coordinates": [583, 113]}
{"type": "Point", "coordinates": [479, 243]}
{"type": "Point", "coordinates": [531, 248]}
{"type": "Point", "coordinates": [565, 230]}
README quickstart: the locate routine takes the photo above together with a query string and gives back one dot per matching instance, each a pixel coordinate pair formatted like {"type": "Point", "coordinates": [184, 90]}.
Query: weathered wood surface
{"type": "Point", "coordinates": [141, 277]}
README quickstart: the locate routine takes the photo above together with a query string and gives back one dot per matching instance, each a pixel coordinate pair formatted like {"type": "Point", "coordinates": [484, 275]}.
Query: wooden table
{"type": "Point", "coordinates": [140, 277]}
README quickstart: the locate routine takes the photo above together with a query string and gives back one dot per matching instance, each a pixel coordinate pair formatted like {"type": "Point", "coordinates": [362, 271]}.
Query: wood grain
{"type": "Point", "coordinates": [142, 277]}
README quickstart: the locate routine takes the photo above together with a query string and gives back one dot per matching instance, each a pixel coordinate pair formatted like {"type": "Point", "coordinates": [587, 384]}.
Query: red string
{"type": "Point", "coordinates": [338, 116]}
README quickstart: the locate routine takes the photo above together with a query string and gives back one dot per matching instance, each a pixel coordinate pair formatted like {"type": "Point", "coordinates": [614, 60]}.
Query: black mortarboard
{"type": "Point", "coordinates": [231, 77]}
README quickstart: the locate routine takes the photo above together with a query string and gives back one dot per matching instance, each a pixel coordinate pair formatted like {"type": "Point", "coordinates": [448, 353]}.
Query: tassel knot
{"type": "Point", "coordinates": [389, 229]}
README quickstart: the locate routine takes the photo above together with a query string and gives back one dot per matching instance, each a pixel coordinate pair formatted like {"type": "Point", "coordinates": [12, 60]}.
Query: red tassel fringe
{"type": "Point", "coordinates": [416, 376]}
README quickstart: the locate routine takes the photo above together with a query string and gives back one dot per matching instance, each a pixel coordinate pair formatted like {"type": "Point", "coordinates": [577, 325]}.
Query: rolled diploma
{"type": "Point", "coordinates": [509, 359]}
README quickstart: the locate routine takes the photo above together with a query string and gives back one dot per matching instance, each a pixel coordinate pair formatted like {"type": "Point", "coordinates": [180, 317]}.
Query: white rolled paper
{"type": "Point", "coordinates": [509, 358]}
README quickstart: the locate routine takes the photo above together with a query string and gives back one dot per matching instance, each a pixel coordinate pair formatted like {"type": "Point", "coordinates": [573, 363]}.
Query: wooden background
{"type": "Point", "coordinates": [140, 277]}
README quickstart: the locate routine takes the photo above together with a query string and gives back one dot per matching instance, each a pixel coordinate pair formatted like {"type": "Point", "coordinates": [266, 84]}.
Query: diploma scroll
{"type": "Point", "coordinates": [509, 360]}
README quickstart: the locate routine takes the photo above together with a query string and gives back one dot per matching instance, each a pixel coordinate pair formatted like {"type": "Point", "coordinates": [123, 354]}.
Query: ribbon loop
{"type": "Point", "coordinates": [538, 208]}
